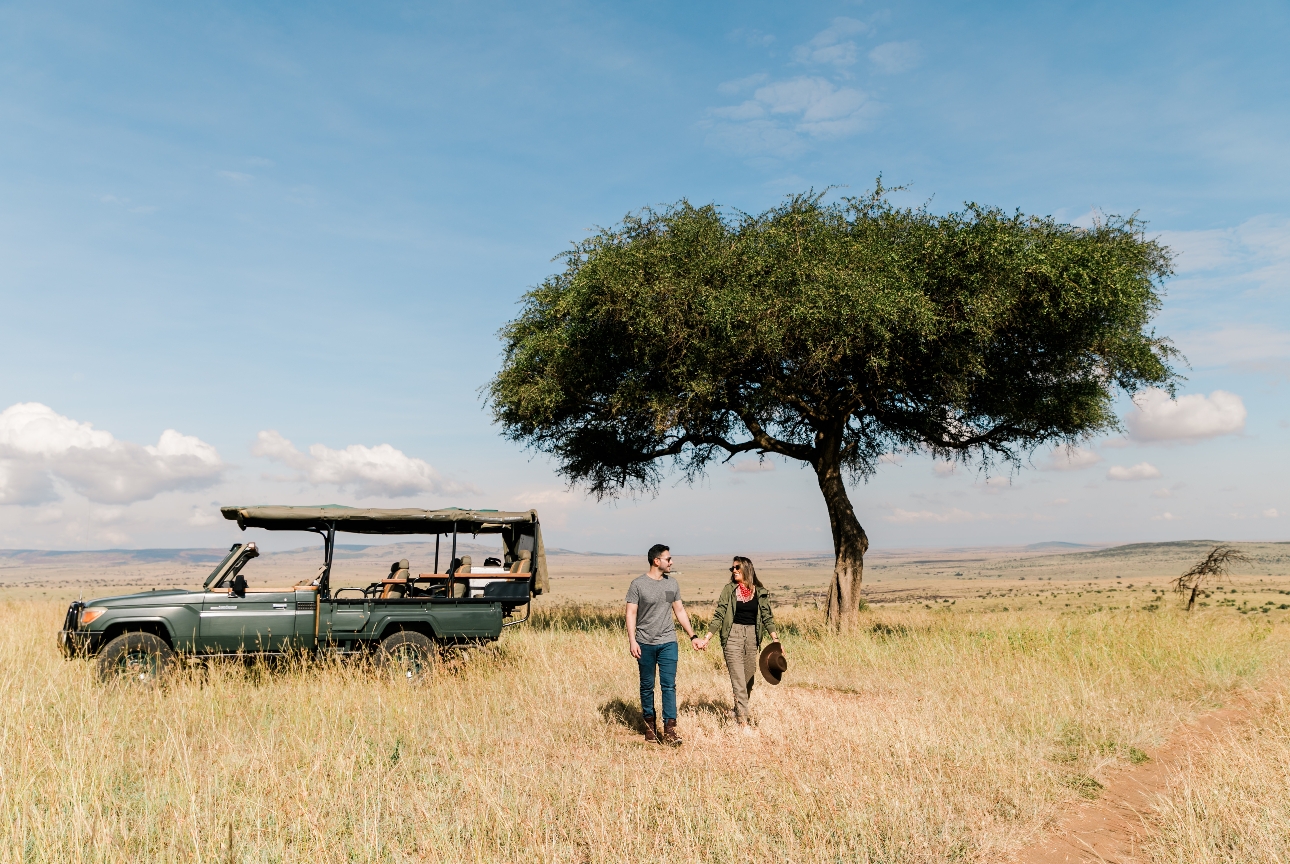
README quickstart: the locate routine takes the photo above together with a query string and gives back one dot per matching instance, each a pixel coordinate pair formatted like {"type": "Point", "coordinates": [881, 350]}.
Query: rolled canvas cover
{"type": "Point", "coordinates": [360, 520]}
{"type": "Point", "coordinates": [541, 582]}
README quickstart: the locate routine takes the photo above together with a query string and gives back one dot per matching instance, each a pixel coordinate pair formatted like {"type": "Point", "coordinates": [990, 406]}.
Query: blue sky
{"type": "Point", "coordinates": [275, 227]}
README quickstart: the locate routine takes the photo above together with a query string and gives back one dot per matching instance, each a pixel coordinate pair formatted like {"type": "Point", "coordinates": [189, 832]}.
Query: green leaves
{"type": "Point", "coordinates": [830, 333]}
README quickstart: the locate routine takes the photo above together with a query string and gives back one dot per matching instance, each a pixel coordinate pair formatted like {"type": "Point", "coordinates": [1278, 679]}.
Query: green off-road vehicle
{"type": "Point", "coordinates": [400, 619]}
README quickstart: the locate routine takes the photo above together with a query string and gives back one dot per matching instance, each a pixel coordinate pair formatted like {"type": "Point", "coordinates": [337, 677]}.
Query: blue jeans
{"type": "Point", "coordinates": [664, 657]}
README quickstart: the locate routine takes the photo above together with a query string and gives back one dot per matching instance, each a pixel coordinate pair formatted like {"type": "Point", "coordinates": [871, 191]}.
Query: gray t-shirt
{"type": "Point", "coordinates": [654, 599]}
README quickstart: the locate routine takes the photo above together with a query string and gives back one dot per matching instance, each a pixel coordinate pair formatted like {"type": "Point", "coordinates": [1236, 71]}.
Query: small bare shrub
{"type": "Point", "coordinates": [1215, 566]}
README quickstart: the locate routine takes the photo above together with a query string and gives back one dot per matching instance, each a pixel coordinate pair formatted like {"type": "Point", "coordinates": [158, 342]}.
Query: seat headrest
{"type": "Point", "coordinates": [401, 564]}
{"type": "Point", "coordinates": [465, 560]}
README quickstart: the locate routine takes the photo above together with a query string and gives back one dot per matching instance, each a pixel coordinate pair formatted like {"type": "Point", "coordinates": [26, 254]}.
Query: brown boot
{"type": "Point", "coordinates": [651, 730]}
{"type": "Point", "coordinates": [669, 733]}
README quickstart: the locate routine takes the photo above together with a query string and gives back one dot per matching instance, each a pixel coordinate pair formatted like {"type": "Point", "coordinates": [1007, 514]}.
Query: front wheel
{"type": "Point", "coordinates": [136, 658]}
{"type": "Point", "coordinates": [408, 655]}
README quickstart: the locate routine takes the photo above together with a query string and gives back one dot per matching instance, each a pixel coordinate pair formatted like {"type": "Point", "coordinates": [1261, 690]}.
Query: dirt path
{"type": "Point", "coordinates": [1112, 828]}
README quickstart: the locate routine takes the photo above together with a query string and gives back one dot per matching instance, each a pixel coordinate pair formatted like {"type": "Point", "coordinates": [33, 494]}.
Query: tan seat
{"type": "Point", "coordinates": [398, 583]}
{"type": "Point", "coordinates": [522, 564]}
{"type": "Point", "coordinates": [461, 589]}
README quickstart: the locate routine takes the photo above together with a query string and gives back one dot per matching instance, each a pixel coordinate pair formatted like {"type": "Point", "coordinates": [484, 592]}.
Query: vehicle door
{"type": "Point", "coordinates": [343, 618]}
{"type": "Point", "coordinates": [254, 621]}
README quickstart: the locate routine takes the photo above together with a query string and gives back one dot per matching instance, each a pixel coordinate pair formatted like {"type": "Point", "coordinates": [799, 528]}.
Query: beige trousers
{"type": "Point", "coordinates": [741, 660]}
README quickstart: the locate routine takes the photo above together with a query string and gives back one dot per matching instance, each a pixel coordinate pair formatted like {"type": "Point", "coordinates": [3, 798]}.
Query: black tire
{"type": "Point", "coordinates": [408, 655]}
{"type": "Point", "coordinates": [136, 658]}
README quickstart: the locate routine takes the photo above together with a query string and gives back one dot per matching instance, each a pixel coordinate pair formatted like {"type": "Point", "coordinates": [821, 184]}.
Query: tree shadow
{"type": "Point", "coordinates": [619, 711]}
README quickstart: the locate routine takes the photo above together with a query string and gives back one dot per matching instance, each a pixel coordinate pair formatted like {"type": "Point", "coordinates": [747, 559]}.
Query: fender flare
{"type": "Point", "coordinates": [155, 625]}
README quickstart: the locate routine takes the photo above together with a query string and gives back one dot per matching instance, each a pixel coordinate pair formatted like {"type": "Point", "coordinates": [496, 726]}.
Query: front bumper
{"type": "Point", "coordinates": [78, 642]}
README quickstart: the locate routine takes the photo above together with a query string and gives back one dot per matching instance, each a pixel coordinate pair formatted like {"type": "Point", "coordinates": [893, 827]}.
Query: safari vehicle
{"type": "Point", "coordinates": [399, 618]}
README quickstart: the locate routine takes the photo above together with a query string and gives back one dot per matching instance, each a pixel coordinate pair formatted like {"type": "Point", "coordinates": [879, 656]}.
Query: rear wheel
{"type": "Point", "coordinates": [136, 658]}
{"type": "Point", "coordinates": [408, 655]}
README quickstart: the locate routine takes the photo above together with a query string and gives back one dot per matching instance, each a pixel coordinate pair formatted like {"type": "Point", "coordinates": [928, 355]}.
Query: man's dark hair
{"type": "Point", "coordinates": [656, 551]}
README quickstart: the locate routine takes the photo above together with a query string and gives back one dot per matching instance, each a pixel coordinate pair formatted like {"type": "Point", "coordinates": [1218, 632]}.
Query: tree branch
{"type": "Point", "coordinates": [770, 444]}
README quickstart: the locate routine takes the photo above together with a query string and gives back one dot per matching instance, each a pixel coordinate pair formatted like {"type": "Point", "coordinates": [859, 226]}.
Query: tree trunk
{"type": "Point", "coordinates": [849, 545]}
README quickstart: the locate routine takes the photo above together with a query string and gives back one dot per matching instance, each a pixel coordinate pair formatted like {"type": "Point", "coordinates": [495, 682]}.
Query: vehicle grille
{"type": "Point", "coordinates": [73, 619]}
{"type": "Point", "coordinates": [305, 605]}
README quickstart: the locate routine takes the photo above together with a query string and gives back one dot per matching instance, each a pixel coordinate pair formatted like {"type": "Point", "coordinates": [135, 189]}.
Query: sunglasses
{"type": "Point", "coordinates": [734, 568]}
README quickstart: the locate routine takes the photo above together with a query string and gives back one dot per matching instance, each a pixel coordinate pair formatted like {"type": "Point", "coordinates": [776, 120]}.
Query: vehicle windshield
{"type": "Point", "coordinates": [222, 564]}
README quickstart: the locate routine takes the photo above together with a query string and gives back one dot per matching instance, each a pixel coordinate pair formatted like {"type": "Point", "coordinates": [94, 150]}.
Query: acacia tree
{"type": "Point", "coordinates": [829, 333]}
{"type": "Point", "coordinates": [1215, 565]}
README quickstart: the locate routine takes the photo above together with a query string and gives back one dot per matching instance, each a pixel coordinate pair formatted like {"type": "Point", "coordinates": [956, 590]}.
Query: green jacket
{"type": "Point", "coordinates": [723, 618]}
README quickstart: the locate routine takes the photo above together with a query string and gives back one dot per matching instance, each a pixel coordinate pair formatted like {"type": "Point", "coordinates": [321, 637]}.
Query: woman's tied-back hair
{"type": "Point", "coordinates": [750, 572]}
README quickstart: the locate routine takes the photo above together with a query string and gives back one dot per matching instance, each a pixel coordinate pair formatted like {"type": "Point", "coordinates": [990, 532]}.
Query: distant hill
{"type": "Point", "coordinates": [344, 552]}
{"type": "Point", "coordinates": [1056, 545]}
{"type": "Point", "coordinates": [111, 556]}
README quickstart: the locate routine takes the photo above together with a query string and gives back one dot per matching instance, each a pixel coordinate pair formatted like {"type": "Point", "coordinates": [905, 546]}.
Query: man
{"type": "Point", "coordinates": [651, 638]}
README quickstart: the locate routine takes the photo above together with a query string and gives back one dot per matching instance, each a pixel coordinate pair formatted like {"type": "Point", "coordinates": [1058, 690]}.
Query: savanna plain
{"type": "Point", "coordinates": [983, 694]}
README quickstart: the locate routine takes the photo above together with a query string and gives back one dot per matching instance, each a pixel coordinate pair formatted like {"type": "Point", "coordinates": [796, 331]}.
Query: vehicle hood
{"type": "Point", "coordinates": [143, 598]}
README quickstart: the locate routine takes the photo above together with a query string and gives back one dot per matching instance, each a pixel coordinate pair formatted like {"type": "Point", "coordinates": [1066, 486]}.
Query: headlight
{"type": "Point", "coordinates": [90, 615]}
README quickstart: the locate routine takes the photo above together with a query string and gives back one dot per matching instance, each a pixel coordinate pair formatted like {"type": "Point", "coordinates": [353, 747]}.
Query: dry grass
{"type": "Point", "coordinates": [1231, 800]}
{"type": "Point", "coordinates": [927, 736]}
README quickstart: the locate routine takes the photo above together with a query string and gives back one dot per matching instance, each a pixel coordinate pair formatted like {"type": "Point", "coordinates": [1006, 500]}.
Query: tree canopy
{"type": "Point", "coordinates": [830, 333]}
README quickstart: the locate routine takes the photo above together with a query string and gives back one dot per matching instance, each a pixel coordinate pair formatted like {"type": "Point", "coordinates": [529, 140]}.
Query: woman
{"type": "Point", "coordinates": [742, 619]}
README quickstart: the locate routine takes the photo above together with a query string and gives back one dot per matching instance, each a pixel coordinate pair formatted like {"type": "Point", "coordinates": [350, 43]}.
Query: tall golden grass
{"type": "Point", "coordinates": [1230, 802]}
{"type": "Point", "coordinates": [922, 737]}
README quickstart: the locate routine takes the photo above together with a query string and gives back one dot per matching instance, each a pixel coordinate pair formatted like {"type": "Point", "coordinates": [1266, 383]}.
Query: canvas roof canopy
{"type": "Point", "coordinates": [356, 520]}
{"type": "Point", "coordinates": [519, 529]}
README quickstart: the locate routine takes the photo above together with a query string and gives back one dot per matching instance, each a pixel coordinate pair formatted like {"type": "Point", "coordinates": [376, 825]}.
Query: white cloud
{"type": "Point", "coordinates": [237, 177]}
{"type": "Point", "coordinates": [1164, 517]}
{"type": "Point", "coordinates": [731, 88]}
{"type": "Point", "coordinates": [380, 471]}
{"type": "Point", "coordinates": [1235, 344]}
{"type": "Point", "coordinates": [40, 448]}
{"type": "Point", "coordinates": [752, 466]}
{"type": "Point", "coordinates": [826, 111]}
{"type": "Point", "coordinates": [1271, 513]}
{"type": "Point", "coordinates": [1258, 248]}
{"type": "Point", "coordinates": [894, 57]}
{"type": "Point", "coordinates": [752, 38]}
{"type": "Point", "coordinates": [1189, 418]}
{"type": "Point", "coordinates": [1141, 471]}
{"type": "Point", "coordinates": [911, 516]}
{"type": "Point", "coordinates": [203, 517]}
{"type": "Point", "coordinates": [832, 45]}
{"type": "Point", "coordinates": [783, 116]}
{"type": "Point", "coordinates": [1070, 459]}
{"type": "Point", "coordinates": [127, 204]}
{"type": "Point", "coordinates": [943, 469]}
